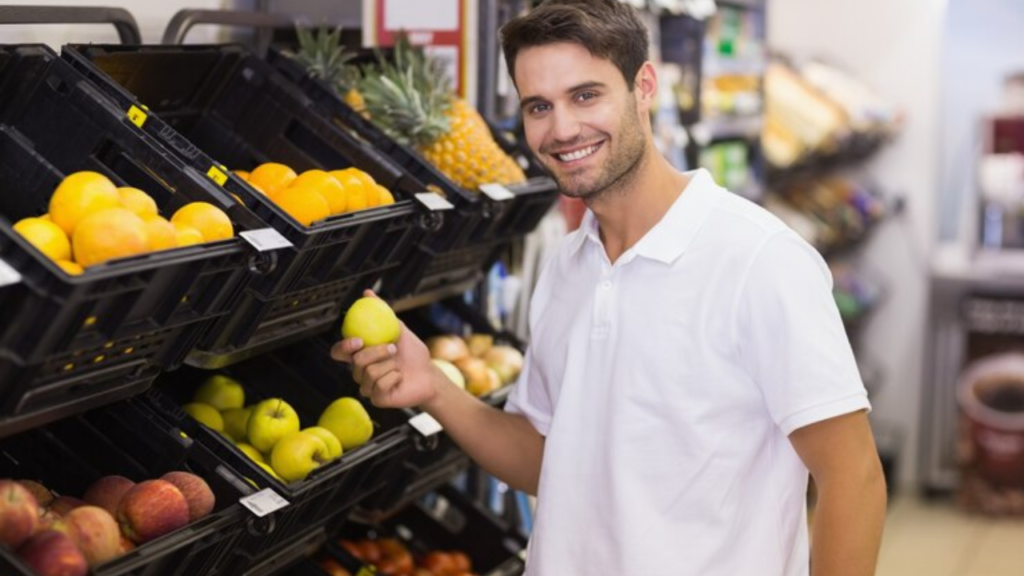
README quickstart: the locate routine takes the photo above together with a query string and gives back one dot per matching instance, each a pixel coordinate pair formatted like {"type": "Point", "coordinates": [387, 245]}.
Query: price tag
{"type": "Point", "coordinates": [496, 192]}
{"type": "Point", "coordinates": [266, 239]}
{"type": "Point", "coordinates": [137, 116]}
{"type": "Point", "coordinates": [425, 424]}
{"type": "Point", "coordinates": [8, 275]}
{"type": "Point", "coordinates": [434, 201]}
{"type": "Point", "coordinates": [263, 502]}
{"type": "Point", "coordinates": [217, 175]}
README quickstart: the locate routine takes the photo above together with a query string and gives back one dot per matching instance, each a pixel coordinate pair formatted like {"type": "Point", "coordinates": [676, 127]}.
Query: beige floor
{"type": "Point", "coordinates": [925, 538]}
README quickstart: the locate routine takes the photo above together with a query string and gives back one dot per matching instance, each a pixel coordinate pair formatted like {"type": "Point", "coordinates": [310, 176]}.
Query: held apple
{"type": "Point", "coordinates": [298, 454]}
{"type": "Point", "coordinates": [221, 392]}
{"type": "Point", "coordinates": [348, 420]}
{"type": "Point", "coordinates": [334, 449]}
{"type": "Point", "coordinates": [271, 420]}
{"type": "Point", "coordinates": [371, 320]}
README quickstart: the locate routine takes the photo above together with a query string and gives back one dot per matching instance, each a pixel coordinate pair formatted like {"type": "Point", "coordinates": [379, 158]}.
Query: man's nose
{"type": "Point", "coordinates": [566, 126]}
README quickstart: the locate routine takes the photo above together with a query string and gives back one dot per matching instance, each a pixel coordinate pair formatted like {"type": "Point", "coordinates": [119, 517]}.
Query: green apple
{"type": "Point", "coordinates": [271, 420]}
{"type": "Point", "coordinates": [235, 422]}
{"type": "Point", "coordinates": [266, 467]}
{"type": "Point", "coordinates": [333, 444]}
{"type": "Point", "coordinates": [205, 414]}
{"type": "Point", "coordinates": [371, 320]}
{"type": "Point", "coordinates": [298, 454]}
{"type": "Point", "coordinates": [347, 419]}
{"type": "Point", "coordinates": [221, 392]}
{"type": "Point", "coordinates": [451, 372]}
{"type": "Point", "coordinates": [251, 452]}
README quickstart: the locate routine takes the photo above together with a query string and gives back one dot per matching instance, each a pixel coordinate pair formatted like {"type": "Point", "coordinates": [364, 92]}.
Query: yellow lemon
{"type": "Point", "coordinates": [46, 236]}
{"type": "Point", "coordinates": [79, 195]}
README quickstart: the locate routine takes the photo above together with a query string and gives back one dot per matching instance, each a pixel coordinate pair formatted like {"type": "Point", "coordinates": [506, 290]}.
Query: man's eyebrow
{"type": "Point", "coordinates": [530, 100]}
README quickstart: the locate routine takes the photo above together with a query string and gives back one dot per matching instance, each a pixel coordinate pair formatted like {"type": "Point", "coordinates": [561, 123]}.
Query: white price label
{"type": "Point", "coordinates": [497, 192]}
{"type": "Point", "coordinates": [434, 201]}
{"type": "Point", "coordinates": [8, 275]}
{"type": "Point", "coordinates": [265, 239]}
{"type": "Point", "coordinates": [264, 502]}
{"type": "Point", "coordinates": [425, 424]}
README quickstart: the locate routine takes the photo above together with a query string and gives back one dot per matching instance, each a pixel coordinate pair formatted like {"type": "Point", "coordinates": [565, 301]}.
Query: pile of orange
{"type": "Point", "coordinates": [317, 194]}
{"type": "Point", "coordinates": [91, 221]}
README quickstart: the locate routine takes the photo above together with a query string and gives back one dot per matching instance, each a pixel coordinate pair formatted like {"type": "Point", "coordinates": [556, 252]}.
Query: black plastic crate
{"type": "Point", "coordinates": [127, 439]}
{"type": "Point", "coordinates": [479, 226]}
{"type": "Point", "coordinates": [71, 342]}
{"type": "Point", "coordinates": [225, 103]}
{"type": "Point", "coordinates": [447, 520]}
{"type": "Point", "coordinates": [304, 376]}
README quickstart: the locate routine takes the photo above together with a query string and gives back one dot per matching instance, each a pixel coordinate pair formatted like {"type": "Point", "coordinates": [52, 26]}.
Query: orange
{"type": "Point", "coordinates": [160, 234]}
{"type": "Point", "coordinates": [108, 234]}
{"type": "Point", "coordinates": [70, 267]}
{"type": "Point", "coordinates": [45, 217]}
{"type": "Point", "coordinates": [327, 185]}
{"type": "Point", "coordinates": [304, 204]}
{"type": "Point", "coordinates": [79, 195]}
{"type": "Point", "coordinates": [271, 177]}
{"type": "Point", "coordinates": [137, 201]}
{"type": "Point", "coordinates": [209, 220]}
{"type": "Point", "coordinates": [384, 196]}
{"type": "Point", "coordinates": [353, 172]}
{"type": "Point", "coordinates": [243, 174]}
{"type": "Point", "coordinates": [46, 236]}
{"type": "Point", "coordinates": [187, 236]}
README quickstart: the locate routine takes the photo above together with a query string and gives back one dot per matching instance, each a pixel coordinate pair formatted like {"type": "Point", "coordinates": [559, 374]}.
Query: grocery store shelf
{"type": "Point", "coordinates": [727, 128]}
{"type": "Point", "coordinates": [429, 297]}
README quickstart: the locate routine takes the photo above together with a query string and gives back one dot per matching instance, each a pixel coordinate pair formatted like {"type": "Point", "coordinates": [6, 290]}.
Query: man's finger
{"type": "Point", "coordinates": [385, 388]}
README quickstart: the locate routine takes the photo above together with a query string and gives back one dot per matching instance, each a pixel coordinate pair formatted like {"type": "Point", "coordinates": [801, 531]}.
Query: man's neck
{"type": "Point", "coordinates": [625, 216]}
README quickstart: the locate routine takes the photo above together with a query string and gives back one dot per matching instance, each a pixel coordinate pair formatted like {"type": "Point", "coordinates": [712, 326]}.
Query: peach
{"type": "Point", "coordinates": [19, 513]}
{"type": "Point", "coordinates": [52, 553]}
{"type": "Point", "coordinates": [196, 491]}
{"type": "Point", "coordinates": [151, 509]}
{"type": "Point", "coordinates": [64, 504]}
{"type": "Point", "coordinates": [106, 492]}
{"type": "Point", "coordinates": [95, 533]}
{"type": "Point", "coordinates": [41, 493]}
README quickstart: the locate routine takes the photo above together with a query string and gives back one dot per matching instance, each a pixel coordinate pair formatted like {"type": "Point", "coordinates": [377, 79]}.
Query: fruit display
{"type": "Point", "coordinates": [91, 221]}
{"type": "Point", "coordinates": [411, 99]}
{"type": "Point", "coordinates": [68, 536]}
{"type": "Point", "coordinates": [476, 363]}
{"type": "Point", "coordinates": [391, 557]}
{"type": "Point", "coordinates": [315, 194]}
{"type": "Point", "coordinates": [269, 432]}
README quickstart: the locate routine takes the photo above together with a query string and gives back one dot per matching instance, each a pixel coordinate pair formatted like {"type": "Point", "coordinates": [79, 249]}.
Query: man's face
{"type": "Point", "coordinates": [580, 119]}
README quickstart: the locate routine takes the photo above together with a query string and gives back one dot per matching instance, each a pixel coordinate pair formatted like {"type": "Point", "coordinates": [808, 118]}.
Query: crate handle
{"type": "Point", "coordinates": [186, 18]}
{"type": "Point", "coordinates": [123, 21]}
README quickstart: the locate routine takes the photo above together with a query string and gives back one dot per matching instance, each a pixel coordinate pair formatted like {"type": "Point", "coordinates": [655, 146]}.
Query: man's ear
{"type": "Point", "coordinates": [646, 85]}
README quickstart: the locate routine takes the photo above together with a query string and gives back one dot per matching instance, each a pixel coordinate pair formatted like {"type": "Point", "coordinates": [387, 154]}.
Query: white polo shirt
{"type": "Point", "coordinates": [666, 385]}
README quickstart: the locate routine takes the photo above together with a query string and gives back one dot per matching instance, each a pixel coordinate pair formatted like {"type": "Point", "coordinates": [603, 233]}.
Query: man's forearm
{"type": "Point", "coordinates": [848, 521]}
{"type": "Point", "coordinates": [506, 445]}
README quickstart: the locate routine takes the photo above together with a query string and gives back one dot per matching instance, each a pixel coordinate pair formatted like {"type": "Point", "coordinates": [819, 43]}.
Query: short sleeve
{"type": "Point", "coordinates": [791, 338]}
{"type": "Point", "coordinates": [530, 398]}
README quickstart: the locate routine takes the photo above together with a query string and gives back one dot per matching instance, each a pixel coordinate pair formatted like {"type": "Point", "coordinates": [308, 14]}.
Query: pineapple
{"type": "Point", "coordinates": [323, 56]}
{"type": "Point", "coordinates": [413, 102]}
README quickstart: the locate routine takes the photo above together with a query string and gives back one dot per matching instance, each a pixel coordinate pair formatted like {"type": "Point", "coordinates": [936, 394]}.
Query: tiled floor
{"type": "Point", "coordinates": [924, 538]}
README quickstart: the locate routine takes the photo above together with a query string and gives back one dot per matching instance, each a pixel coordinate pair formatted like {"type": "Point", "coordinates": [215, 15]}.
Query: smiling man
{"type": "Point", "coordinates": [688, 367]}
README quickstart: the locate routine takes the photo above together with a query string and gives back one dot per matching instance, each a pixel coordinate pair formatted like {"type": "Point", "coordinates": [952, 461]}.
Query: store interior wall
{"type": "Point", "coordinates": [982, 44]}
{"type": "Point", "coordinates": [894, 47]}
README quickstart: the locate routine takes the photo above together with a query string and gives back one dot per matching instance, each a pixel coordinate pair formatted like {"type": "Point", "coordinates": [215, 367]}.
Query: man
{"type": "Point", "coordinates": [687, 364]}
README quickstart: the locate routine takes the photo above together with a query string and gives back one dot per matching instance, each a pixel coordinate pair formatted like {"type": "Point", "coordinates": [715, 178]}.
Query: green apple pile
{"type": "Point", "coordinates": [269, 432]}
{"type": "Point", "coordinates": [67, 536]}
{"type": "Point", "coordinates": [475, 363]}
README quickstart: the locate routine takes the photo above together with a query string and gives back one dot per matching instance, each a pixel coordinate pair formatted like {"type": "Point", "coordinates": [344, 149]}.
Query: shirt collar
{"type": "Point", "coordinates": [670, 237]}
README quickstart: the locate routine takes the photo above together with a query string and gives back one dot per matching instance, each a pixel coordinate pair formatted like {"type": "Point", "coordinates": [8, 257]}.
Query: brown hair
{"type": "Point", "coordinates": [608, 29]}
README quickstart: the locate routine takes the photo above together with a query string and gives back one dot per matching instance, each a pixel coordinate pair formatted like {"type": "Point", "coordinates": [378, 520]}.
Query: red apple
{"type": "Point", "coordinates": [41, 493]}
{"type": "Point", "coordinates": [52, 553]}
{"type": "Point", "coordinates": [106, 492]}
{"type": "Point", "coordinates": [151, 509]}
{"type": "Point", "coordinates": [50, 520]}
{"type": "Point", "coordinates": [64, 504]}
{"type": "Point", "coordinates": [125, 545]}
{"type": "Point", "coordinates": [196, 491]}
{"type": "Point", "coordinates": [331, 566]}
{"type": "Point", "coordinates": [95, 533]}
{"type": "Point", "coordinates": [19, 513]}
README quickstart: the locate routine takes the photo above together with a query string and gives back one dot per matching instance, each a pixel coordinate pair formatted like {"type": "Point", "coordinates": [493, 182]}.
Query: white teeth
{"type": "Point", "coordinates": [582, 153]}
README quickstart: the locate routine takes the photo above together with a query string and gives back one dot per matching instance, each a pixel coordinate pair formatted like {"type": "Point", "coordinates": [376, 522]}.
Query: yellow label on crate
{"type": "Point", "coordinates": [217, 175]}
{"type": "Point", "coordinates": [367, 571]}
{"type": "Point", "coordinates": [137, 116]}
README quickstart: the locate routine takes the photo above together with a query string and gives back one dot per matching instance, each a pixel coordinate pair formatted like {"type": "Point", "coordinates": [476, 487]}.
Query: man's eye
{"type": "Point", "coordinates": [584, 96]}
{"type": "Point", "coordinates": [538, 108]}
